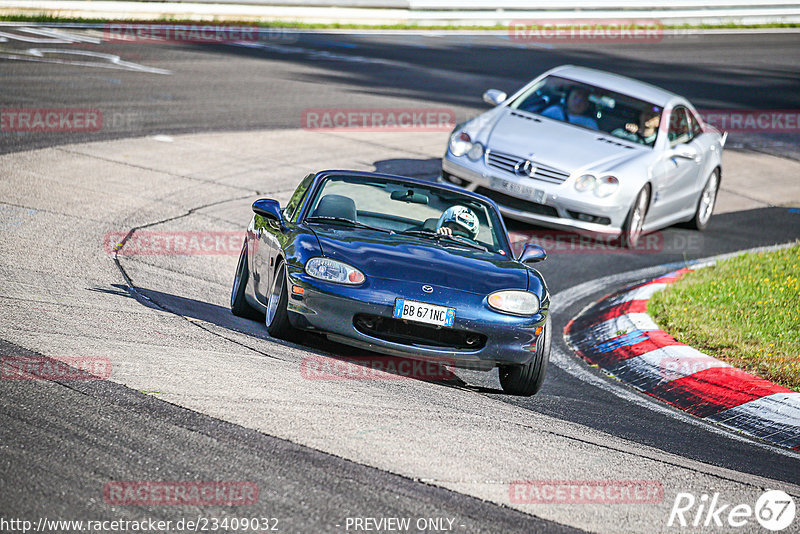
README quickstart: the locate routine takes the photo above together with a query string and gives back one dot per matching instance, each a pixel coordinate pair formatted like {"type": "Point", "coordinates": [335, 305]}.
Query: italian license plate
{"type": "Point", "coordinates": [518, 190]}
{"type": "Point", "coordinates": [424, 313]}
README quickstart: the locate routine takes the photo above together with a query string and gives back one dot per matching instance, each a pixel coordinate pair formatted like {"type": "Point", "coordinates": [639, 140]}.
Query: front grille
{"type": "Point", "coordinates": [517, 203]}
{"type": "Point", "coordinates": [415, 334]}
{"type": "Point", "coordinates": [507, 162]}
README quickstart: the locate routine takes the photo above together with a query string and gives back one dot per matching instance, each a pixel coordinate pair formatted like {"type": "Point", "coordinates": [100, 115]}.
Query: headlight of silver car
{"type": "Point", "coordinates": [476, 152]}
{"type": "Point", "coordinates": [460, 143]}
{"type": "Point", "coordinates": [515, 302]}
{"type": "Point", "coordinates": [333, 271]}
{"type": "Point", "coordinates": [606, 186]}
{"type": "Point", "coordinates": [585, 183]}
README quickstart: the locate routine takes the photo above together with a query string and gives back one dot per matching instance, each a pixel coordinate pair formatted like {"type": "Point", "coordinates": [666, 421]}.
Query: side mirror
{"type": "Point", "coordinates": [532, 254]}
{"type": "Point", "coordinates": [494, 97]}
{"type": "Point", "coordinates": [266, 207]}
{"type": "Point", "coordinates": [686, 152]}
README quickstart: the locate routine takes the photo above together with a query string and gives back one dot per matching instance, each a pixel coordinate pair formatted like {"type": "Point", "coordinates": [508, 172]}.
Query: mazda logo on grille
{"type": "Point", "coordinates": [427, 289]}
{"type": "Point", "coordinates": [525, 168]}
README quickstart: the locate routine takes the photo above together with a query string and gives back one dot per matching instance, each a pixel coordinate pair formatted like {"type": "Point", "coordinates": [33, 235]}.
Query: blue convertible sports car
{"type": "Point", "coordinates": [398, 266]}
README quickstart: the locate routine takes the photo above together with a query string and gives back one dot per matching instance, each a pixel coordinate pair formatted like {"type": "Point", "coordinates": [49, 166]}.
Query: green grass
{"type": "Point", "coordinates": [745, 311]}
{"type": "Point", "coordinates": [49, 18]}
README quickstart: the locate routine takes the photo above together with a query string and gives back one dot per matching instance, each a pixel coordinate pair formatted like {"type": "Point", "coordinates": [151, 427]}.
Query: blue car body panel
{"type": "Point", "coordinates": [397, 266]}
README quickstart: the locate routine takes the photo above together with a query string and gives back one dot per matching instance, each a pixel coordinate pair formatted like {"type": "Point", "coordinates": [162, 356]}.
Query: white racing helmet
{"type": "Point", "coordinates": [462, 217]}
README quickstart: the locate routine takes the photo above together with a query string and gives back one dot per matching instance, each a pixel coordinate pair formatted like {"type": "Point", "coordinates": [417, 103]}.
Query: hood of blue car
{"type": "Point", "coordinates": [421, 261]}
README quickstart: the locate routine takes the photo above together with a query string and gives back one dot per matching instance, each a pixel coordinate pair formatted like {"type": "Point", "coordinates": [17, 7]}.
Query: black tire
{"type": "Point", "coordinates": [632, 229]}
{"type": "Point", "coordinates": [526, 380]}
{"type": "Point", "coordinates": [705, 203]}
{"type": "Point", "coordinates": [277, 318]}
{"type": "Point", "coordinates": [239, 305]}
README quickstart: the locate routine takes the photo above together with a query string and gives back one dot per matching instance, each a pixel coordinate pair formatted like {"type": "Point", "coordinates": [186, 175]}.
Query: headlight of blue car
{"type": "Point", "coordinates": [333, 271]}
{"type": "Point", "coordinates": [514, 302]}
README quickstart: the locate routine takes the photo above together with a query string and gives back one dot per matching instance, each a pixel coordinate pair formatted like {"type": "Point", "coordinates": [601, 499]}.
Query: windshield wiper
{"type": "Point", "coordinates": [464, 241]}
{"type": "Point", "coordinates": [421, 233]}
{"type": "Point", "coordinates": [457, 239]}
{"type": "Point", "coordinates": [350, 222]}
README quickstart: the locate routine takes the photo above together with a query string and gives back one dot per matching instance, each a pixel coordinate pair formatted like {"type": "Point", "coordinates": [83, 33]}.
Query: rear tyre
{"type": "Point", "coordinates": [706, 202]}
{"type": "Point", "coordinates": [526, 380]}
{"type": "Point", "coordinates": [239, 305]}
{"type": "Point", "coordinates": [632, 229]}
{"type": "Point", "coordinates": [277, 318]}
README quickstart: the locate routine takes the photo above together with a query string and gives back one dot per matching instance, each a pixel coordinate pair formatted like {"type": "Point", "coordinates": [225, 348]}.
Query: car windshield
{"type": "Point", "coordinates": [387, 205]}
{"type": "Point", "coordinates": [592, 107]}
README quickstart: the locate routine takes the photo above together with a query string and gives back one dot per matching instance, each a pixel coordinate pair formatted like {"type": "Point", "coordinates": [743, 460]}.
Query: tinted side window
{"type": "Point", "coordinates": [291, 209]}
{"type": "Point", "coordinates": [694, 124]}
{"type": "Point", "coordinates": [679, 129]}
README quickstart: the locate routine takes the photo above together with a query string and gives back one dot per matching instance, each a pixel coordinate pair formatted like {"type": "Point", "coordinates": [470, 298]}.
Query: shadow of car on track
{"type": "Point", "coordinates": [325, 360]}
{"type": "Point", "coordinates": [424, 169]}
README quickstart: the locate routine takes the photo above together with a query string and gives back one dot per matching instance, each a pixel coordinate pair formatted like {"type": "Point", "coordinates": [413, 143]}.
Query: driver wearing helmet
{"type": "Point", "coordinates": [458, 220]}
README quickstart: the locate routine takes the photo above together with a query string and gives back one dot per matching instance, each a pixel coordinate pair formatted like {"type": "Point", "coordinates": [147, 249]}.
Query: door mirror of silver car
{"type": "Point", "coordinates": [266, 207]}
{"type": "Point", "coordinates": [532, 254]}
{"type": "Point", "coordinates": [494, 97]}
{"type": "Point", "coordinates": [686, 152]}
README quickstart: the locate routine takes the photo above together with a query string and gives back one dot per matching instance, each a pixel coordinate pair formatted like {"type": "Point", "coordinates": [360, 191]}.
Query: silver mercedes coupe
{"type": "Point", "coordinates": [589, 151]}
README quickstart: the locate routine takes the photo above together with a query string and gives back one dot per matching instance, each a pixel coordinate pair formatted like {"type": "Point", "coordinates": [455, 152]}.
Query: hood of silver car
{"type": "Point", "coordinates": [559, 145]}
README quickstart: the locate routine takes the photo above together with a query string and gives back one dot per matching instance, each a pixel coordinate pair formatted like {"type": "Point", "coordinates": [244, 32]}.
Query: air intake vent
{"type": "Point", "coordinates": [612, 142]}
{"type": "Point", "coordinates": [526, 117]}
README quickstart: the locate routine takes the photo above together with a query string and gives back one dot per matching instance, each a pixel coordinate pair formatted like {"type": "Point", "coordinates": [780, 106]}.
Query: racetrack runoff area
{"type": "Point", "coordinates": [64, 295]}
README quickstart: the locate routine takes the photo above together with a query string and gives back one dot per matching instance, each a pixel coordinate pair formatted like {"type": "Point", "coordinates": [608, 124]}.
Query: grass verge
{"type": "Point", "coordinates": [744, 310]}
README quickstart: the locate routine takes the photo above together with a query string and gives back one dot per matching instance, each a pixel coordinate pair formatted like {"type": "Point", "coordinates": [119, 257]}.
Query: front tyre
{"type": "Point", "coordinates": [632, 229]}
{"type": "Point", "coordinates": [706, 202]}
{"type": "Point", "coordinates": [526, 380]}
{"type": "Point", "coordinates": [239, 305]}
{"type": "Point", "coordinates": [277, 318]}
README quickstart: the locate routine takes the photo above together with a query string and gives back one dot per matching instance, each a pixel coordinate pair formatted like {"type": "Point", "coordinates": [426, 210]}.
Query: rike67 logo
{"type": "Point", "coordinates": [774, 510]}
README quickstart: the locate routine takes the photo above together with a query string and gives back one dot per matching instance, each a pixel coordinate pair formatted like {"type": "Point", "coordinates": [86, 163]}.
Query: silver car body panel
{"type": "Point", "coordinates": [564, 152]}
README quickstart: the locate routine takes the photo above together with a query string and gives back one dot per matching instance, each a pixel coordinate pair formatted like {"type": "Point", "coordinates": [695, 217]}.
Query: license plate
{"type": "Point", "coordinates": [424, 313]}
{"type": "Point", "coordinates": [519, 190]}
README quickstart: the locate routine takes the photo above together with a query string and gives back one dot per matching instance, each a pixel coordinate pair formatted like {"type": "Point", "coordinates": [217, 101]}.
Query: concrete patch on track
{"type": "Point", "coordinates": [171, 332]}
{"type": "Point", "coordinates": [617, 334]}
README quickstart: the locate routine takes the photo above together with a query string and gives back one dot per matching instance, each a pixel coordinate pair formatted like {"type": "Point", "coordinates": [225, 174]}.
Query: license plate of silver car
{"type": "Point", "coordinates": [518, 190]}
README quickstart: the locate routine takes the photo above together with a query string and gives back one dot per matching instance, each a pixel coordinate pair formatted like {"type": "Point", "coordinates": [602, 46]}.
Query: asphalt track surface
{"type": "Point", "coordinates": [61, 440]}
